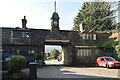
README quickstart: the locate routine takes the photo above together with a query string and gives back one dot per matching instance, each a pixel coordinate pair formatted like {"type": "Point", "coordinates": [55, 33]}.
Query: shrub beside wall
{"type": "Point", "coordinates": [16, 64]}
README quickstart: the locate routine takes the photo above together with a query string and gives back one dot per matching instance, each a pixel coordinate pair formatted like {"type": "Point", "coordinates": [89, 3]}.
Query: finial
{"type": "Point", "coordinates": [24, 17]}
{"type": "Point", "coordinates": [55, 6]}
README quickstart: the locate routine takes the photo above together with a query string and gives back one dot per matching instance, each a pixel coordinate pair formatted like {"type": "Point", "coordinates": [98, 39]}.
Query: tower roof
{"type": "Point", "coordinates": [55, 16]}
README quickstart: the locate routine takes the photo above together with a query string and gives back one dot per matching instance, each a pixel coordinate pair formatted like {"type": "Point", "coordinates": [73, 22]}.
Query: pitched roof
{"type": "Point", "coordinates": [38, 36]}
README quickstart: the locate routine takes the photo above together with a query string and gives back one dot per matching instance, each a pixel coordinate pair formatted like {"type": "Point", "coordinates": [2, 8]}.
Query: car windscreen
{"type": "Point", "coordinates": [110, 59]}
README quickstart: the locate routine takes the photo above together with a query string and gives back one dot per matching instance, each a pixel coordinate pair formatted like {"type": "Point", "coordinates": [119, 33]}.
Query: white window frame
{"type": "Point", "coordinates": [84, 36]}
{"type": "Point", "coordinates": [90, 36]}
{"type": "Point", "coordinates": [94, 36]}
{"type": "Point", "coordinates": [84, 52]}
{"type": "Point", "coordinates": [87, 36]}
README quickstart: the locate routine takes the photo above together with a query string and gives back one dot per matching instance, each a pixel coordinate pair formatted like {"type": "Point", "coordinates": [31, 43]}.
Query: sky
{"type": "Point", "coordinates": [39, 12]}
{"type": "Point", "coordinates": [49, 48]}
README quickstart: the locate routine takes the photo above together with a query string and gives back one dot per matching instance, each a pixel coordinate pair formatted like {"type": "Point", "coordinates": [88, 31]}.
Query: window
{"type": "Point", "coordinates": [81, 54]}
{"type": "Point", "coordinates": [89, 36]}
{"type": "Point", "coordinates": [32, 51]}
{"type": "Point", "coordinates": [16, 34]}
{"type": "Point", "coordinates": [102, 59]}
{"type": "Point", "coordinates": [97, 52]}
{"type": "Point", "coordinates": [25, 34]}
{"type": "Point", "coordinates": [18, 51]}
{"type": "Point", "coordinates": [83, 36]}
{"type": "Point", "coordinates": [20, 34]}
{"type": "Point", "coordinates": [110, 59]}
{"type": "Point", "coordinates": [84, 52]}
{"type": "Point", "coordinates": [94, 36]}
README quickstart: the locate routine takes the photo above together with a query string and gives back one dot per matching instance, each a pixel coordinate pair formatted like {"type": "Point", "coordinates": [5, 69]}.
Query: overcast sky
{"type": "Point", "coordinates": [39, 12]}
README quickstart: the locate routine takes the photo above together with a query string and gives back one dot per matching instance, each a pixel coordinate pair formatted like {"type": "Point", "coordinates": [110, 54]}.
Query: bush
{"type": "Point", "coordinates": [16, 64]}
{"type": "Point", "coordinates": [39, 56]}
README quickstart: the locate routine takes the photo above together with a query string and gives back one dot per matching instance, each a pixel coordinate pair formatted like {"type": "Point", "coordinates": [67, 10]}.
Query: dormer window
{"type": "Point", "coordinates": [84, 36]}
{"type": "Point", "coordinates": [94, 37]}
{"type": "Point", "coordinates": [25, 35]}
{"type": "Point", "coordinates": [89, 36]}
{"type": "Point", "coordinates": [20, 36]}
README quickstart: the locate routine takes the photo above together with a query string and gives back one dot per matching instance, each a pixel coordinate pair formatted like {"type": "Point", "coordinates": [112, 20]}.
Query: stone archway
{"type": "Point", "coordinates": [66, 51]}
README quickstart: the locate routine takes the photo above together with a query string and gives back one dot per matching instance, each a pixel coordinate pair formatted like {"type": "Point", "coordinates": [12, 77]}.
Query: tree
{"type": "Point", "coordinates": [115, 45]}
{"type": "Point", "coordinates": [110, 44]}
{"type": "Point", "coordinates": [118, 27]}
{"type": "Point", "coordinates": [54, 54]}
{"type": "Point", "coordinates": [117, 49]}
{"type": "Point", "coordinates": [96, 16]}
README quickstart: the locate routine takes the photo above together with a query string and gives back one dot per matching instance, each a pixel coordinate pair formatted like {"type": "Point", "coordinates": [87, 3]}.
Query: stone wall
{"type": "Point", "coordinates": [88, 56]}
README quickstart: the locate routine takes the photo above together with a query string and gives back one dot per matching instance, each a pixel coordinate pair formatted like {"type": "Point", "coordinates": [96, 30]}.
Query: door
{"type": "Point", "coordinates": [102, 62]}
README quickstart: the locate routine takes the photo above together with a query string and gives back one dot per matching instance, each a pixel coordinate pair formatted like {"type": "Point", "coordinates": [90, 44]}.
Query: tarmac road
{"type": "Point", "coordinates": [51, 72]}
{"type": "Point", "coordinates": [76, 72]}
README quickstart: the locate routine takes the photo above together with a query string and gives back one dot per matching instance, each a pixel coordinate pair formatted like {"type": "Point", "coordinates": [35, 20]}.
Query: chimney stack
{"type": "Point", "coordinates": [24, 22]}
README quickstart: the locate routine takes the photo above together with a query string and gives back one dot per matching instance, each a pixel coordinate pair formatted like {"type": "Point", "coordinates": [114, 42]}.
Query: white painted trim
{"type": "Point", "coordinates": [86, 46]}
{"type": "Point", "coordinates": [57, 40]}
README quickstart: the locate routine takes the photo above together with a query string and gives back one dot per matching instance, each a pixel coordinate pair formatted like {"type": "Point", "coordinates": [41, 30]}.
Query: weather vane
{"type": "Point", "coordinates": [55, 6]}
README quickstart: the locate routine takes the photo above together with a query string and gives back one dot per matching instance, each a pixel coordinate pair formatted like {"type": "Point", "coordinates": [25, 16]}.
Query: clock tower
{"type": "Point", "coordinates": [55, 20]}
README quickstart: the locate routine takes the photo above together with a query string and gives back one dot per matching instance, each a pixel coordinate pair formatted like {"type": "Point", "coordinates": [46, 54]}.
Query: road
{"type": "Point", "coordinates": [76, 72]}
{"type": "Point", "coordinates": [58, 71]}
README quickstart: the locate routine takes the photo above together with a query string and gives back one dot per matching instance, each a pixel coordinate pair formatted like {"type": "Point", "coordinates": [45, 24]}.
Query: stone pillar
{"type": "Point", "coordinates": [66, 56]}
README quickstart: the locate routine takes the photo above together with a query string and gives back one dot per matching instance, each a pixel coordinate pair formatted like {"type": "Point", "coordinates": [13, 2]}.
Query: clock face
{"type": "Point", "coordinates": [55, 23]}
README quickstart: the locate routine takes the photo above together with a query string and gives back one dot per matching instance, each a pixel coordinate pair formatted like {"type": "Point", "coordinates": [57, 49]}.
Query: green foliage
{"type": "Point", "coordinates": [110, 31]}
{"type": "Point", "coordinates": [39, 56]}
{"type": "Point", "coordinates": [96, 16]}
{"type": "Point", "coordinates": [110, 44]}
{"type": "Point", "coordinates": [117, 49]}
{"type": "Point", "coordinates": [16, 63]}
{"type": "Point", "coordinates": [54, 54]}
{"type": "Point", "coordinates": [118, 26]}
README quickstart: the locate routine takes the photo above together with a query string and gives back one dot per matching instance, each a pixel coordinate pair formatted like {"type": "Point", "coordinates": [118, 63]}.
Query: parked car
{"type": "Point", "coordinates": [7, 57]}
{"type": "Point", "coordinates": [107, 61]}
